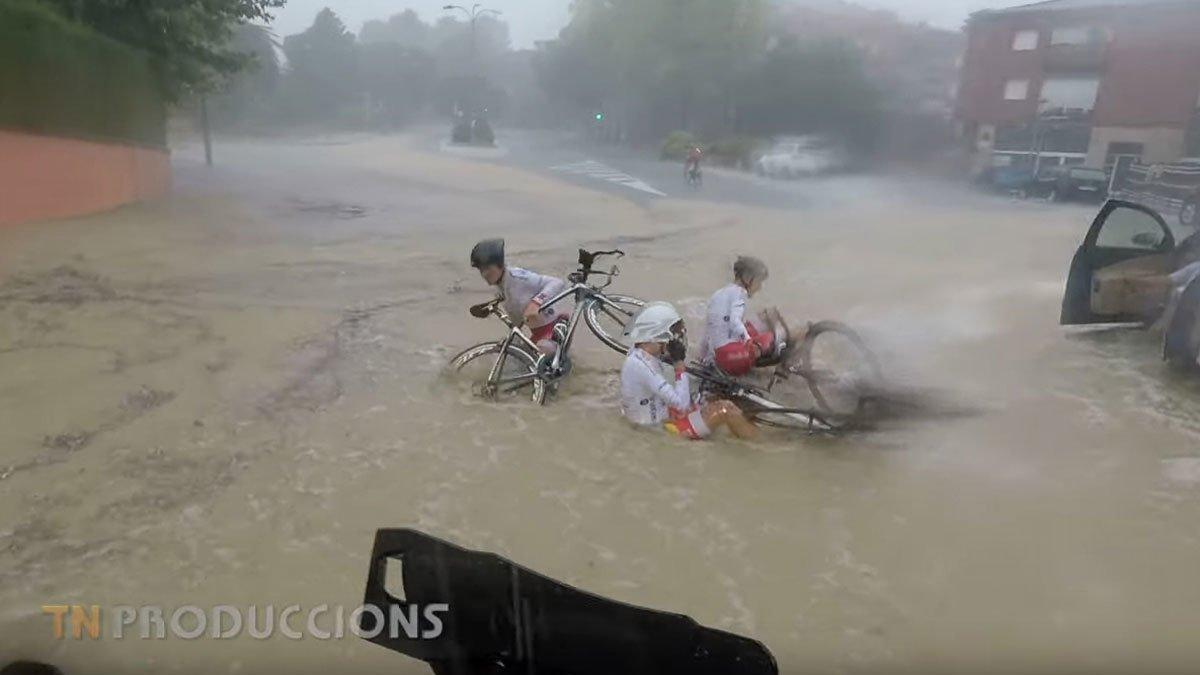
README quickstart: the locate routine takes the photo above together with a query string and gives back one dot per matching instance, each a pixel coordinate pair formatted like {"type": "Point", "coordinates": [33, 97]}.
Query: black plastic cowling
{"type": "Point", "coordinates": [505, 618]}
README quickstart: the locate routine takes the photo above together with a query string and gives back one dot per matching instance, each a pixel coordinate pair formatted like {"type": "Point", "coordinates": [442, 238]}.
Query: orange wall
{"type": "Point", "coordinates": [51, 177]}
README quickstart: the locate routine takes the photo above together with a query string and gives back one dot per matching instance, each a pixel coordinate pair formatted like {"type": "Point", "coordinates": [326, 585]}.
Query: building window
{"type": "Point", "coordinates": [1076, 35]}
{"type": "Point", "coordinates": [1025, 40]}
{"type": "Point", "coordinates": [1016, 90]}
{"type": "Point", "coordinates": [1070, 93]}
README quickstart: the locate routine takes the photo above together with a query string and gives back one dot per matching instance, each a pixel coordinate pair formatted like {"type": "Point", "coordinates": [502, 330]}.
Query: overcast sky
{"type": "Point", "coordinates": [539, 19]}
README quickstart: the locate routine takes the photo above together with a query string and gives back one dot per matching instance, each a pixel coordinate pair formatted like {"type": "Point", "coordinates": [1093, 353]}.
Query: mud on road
{"type": "Point", "coordinates": [217, 398]}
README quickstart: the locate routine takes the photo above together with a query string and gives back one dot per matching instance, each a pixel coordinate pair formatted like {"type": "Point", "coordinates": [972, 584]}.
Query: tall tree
{"type": "Point", "coordinates": [812, 87]}
{"type": "Point", "coordinates": [190, 42]}
{"type": "Point", "coordinates": [322, 68]}
{"type": "Point", "coordinates": [398, 79]}
{"type": "Point", "coordinates": [247, 95]}
{"type": "Point", "coordinates": [661, 58]}
{"type": "Point", "coordinates": [405, 29]}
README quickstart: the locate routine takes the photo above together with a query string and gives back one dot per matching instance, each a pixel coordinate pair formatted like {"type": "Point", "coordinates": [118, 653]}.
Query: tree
{"type": "Point", "coordinates": [405, 29]}
{"type": "Point", "coordinates": [189, 42]}
{"type": "Point", "coordinates": [461, 54]}
{"type": "Point", "coordinates": [247, 95]}
{"type": "Point", "coordinates": [398, 79]}
{"type": "Point", "coordinates": [657, 61]}
{"type": "Point", "coordinates": [812, 87]}
{"type": "Point", "coordinates": [322, 69]}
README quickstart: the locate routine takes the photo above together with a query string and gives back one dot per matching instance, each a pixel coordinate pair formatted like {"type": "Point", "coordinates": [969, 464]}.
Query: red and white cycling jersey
{"type": "Point", "coordinates": [647, 398]}
{"type": "Point", "coordinates": [725, 320]}
{"type": "Point", "coordinates": [519, 287]}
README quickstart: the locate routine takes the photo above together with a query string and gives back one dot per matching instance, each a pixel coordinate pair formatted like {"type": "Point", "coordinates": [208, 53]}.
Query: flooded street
{"type": "Point", "coordinates": [217, 399]}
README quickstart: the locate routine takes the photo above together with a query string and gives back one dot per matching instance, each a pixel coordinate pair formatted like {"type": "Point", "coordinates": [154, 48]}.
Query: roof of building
{"type": "Point", "coordinates": [1062, 5]}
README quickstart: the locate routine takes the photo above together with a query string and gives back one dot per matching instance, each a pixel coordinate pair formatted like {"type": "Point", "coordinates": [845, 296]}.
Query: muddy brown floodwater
{"type": "Point", "coordinates": [217, 398]}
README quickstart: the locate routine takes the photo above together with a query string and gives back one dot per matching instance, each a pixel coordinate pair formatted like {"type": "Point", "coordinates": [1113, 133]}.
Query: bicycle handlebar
{"type": "Point", "coordinates": [588, 258]}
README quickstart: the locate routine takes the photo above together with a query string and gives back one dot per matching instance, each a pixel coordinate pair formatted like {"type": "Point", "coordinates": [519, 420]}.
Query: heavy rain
{"type": "Point", "coordinates": [235, 271]}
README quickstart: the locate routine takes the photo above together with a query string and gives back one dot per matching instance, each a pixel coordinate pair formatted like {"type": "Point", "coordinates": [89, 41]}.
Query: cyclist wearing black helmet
{"type": "Point", "coordinates": [524, 292]}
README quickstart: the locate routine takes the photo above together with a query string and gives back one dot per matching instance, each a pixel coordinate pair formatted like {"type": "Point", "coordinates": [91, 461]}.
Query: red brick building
{"type": "Point", "coordinates": [1082, 81]}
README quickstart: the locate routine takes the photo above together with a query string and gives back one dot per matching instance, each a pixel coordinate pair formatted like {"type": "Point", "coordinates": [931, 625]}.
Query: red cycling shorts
{"type": "Point", "coordinates": [546, 332]}
{"type": "Point", "coordinates": [689, 425]}
{"type": "Point", "coordinates": [737, 358]}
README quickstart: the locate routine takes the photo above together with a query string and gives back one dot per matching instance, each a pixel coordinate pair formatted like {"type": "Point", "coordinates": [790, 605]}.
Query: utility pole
{"type": "Point", "coordinates": [205, 130]}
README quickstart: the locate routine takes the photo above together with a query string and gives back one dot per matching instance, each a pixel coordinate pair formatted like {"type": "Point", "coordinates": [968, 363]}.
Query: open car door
{"type": "Point", "coordinates": [1116, 274]}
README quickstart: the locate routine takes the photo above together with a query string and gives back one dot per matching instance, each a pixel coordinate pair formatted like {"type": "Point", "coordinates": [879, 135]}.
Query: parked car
{"type": "Point", "coordinates": [802, 156]}
{"type": "Point", "coordinates": [1070, 183]}
{"type": "Point", "coordinates": [1007, 179]}
{"type": "Point", "coordinates": [1122, 273]}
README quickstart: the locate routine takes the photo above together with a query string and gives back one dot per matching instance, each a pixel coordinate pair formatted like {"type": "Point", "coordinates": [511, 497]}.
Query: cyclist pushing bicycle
{"type": "Point", "coordinates": [523, 293]}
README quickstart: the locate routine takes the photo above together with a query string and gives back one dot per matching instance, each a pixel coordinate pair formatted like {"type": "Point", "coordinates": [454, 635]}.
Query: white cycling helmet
{"type": "Point", "coordinates": [653, 324]}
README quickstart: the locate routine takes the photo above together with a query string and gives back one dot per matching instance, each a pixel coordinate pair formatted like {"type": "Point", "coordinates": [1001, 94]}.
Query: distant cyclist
{"type": "Point", "coordinates": [691, 166]}
{"type": "Point", "coordinates": [730, 341]}
{"type": "Point", "coordinates": [648, 399]}
{"type": "Point", "coordinates": [523, 292]}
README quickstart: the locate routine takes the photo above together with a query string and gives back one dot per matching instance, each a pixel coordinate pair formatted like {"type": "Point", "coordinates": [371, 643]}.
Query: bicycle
{"type": "Point", "coordinates": [605, 314]}
{"type": "Point", "coordinates": [841, 386]}
{"type": "Point", "coordinates": [694, 177]}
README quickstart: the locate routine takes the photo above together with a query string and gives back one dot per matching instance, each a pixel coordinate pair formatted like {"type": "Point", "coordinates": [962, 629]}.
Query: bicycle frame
{"type": "Point", "coordinates": [584, 296]}
{"type": "Point", "coordinates": [757, 398]}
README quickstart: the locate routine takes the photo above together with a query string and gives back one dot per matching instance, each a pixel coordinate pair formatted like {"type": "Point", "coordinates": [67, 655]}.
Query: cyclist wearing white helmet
{"type": "Point", "coordinates": [524, 292]}
{"type": "Point", "coordinates": [647, 399]}
{"type": "Point", "coordinates": [730, 341]}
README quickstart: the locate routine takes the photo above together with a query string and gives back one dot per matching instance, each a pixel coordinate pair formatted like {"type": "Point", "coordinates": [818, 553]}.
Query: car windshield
{"type": "Point", "coordinates": [804, 324]}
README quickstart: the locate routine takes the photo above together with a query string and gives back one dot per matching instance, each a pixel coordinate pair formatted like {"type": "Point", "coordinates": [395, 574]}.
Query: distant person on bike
{"type": "Point", "coordinates": [649, 400]}
{"type": "Point", "coordinates": [692, 163]}
{"type": "Point", "coordinates": [731, 342]}
{"type": "Point", "coordinates": [523, 292]}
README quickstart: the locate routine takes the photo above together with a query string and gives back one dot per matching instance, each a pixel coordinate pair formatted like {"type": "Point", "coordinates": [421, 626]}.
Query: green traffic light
{"type": "Point", "coordinates": [599, 117]}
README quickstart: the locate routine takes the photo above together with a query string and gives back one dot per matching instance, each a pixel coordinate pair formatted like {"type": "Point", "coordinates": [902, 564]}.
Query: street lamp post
{"type": "Point", "coordinates": [472, 15]}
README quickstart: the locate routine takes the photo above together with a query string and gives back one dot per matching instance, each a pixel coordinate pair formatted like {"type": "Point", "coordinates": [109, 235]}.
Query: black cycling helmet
{"type": "Point", "coordinates": [748, 268]}
{"type": "Point", "coordinates": [488, 252]}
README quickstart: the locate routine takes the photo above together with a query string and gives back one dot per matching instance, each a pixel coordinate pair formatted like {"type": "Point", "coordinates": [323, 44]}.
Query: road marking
{"type": "Point", "coordinates": [593, 169]}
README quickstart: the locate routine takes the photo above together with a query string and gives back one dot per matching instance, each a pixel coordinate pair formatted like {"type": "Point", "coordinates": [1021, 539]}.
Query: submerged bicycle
{"type": "Point", "coordinates": [514, 367]}
{"type": "Point", "coordinates": [826, 383]}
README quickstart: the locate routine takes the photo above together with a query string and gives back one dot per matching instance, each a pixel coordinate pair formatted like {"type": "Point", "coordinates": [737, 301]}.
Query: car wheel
{"type": "Point", "coordinates": [1188, 214]}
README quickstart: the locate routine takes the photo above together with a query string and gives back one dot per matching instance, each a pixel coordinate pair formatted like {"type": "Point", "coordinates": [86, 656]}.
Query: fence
{"type": "Point", "coordinates": [1166, 188]}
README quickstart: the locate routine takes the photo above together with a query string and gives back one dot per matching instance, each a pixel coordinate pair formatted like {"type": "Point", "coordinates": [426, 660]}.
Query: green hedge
{"type": "Point", "coordinates": [677, 145]}
{"type": "Point", "coordinates": [61, 78]}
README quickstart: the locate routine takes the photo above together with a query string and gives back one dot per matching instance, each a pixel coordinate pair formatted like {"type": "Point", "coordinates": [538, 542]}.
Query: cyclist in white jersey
{"type": "Point", "coordinates": [523, 292]}
{"type": "Point", "coordinates": [730, 341]}
{"type": "Point", "coordinates": [649, 400]}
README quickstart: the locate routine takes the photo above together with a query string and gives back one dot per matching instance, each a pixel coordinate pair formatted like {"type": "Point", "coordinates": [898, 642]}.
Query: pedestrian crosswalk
{"type": "Point", "coordinates": [600, 171]}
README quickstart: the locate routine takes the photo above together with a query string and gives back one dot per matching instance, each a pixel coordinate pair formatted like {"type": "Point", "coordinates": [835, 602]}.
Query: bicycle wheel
{"type": "Point", "coordinates": [787, 419]}
{"type": "Point", "coordinates": [841, 372]}
{"type": "Point", "coordinates": [518, 376]}
{"type": "Point", "coordinates": [607, 316]}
